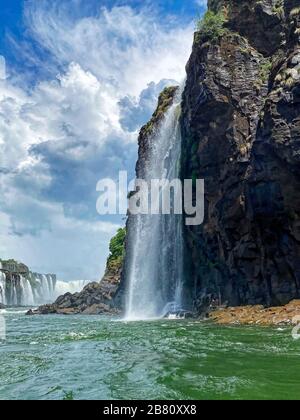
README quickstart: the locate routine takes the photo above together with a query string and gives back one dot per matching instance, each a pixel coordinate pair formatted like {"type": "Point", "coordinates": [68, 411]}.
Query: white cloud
{"type": "Point", "coordinates": [58, 137]}
{"type": "Point", "coordinates": [125, 48]}
{"type": "Point", "coordinates": [71, 248]}
{"type": "Point", "coordinates": [201, 3]}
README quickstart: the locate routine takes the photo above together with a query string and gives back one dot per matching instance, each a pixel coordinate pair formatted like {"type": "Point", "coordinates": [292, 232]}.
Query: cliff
{"type": "Point", "coordinates": [241, 132]}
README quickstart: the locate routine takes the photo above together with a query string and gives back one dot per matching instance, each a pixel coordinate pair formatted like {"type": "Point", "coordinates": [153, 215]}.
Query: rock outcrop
{"type": "Point", "coordinates": [258, 315]}
{"type": "Point", "coordinates": [95, 298]}
{"type": "Point", "coordinates": [241, 134]}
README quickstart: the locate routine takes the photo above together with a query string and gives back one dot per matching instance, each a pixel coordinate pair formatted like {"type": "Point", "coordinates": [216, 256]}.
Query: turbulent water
{"type": "Point", "coordinates": [36, 290]}
{"type": "Point", "coordinates": [48, 357]}
{"type": "Point", "coordinates": [155, 264]}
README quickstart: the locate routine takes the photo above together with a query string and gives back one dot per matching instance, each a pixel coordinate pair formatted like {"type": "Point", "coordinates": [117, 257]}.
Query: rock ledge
{"type": "Point", "coordinates": [258, 315]}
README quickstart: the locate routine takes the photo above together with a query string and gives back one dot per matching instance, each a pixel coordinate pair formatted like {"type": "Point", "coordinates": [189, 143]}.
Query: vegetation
{"type": "Point", "coordinates": [278, 8]}
{"type": "Point", "coordinates": [212, 25]}
{"type": "Point", "coordinates": [117, 250]}
{"type": "Point", "coordinates": [295, 11]}
{"type": "Point", "coordinates": [265, 70]}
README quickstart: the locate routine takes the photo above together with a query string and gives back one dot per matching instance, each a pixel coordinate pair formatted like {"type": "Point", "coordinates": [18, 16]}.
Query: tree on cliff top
{"type": "Point", "coordinates": [117, 250]}
{"type": "Point", "coordinates": [211, 26]}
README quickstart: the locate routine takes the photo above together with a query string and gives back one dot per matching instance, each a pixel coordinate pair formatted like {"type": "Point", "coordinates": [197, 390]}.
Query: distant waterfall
{"type": "Point", "coordinates": [155, 262]}
{"type": "Point", "coordinates": [63, 287]}
{"type": "Point", "coordinates": [37, 289]}
{"type": "Point", "coordinates": [2, 288]}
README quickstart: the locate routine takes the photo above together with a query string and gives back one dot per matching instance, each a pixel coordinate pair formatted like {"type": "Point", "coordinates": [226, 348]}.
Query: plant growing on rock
{"type": "Point", "coordinates": [295, 12]}
{"type": "Point", "coordinates": [212, 25]}
{"type": "Point", "coordinates": [117, 250]}
{"type": "Point", "coordinates": [265, 70]}
{"type": "Point", "coordinates": [278, 8]}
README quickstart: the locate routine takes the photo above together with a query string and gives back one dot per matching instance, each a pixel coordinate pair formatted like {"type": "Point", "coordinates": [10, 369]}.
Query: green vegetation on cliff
{"type": "Point", "coordinates": [117, 250]}
{"type": "Point", "coordinates": [212, 25]}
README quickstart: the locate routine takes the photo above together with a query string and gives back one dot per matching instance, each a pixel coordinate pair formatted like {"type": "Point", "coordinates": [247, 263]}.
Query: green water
{"type": "Point", "coordinates": [47, 357]}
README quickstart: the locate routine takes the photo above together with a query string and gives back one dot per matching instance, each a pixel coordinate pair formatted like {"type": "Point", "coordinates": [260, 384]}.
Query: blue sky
{"type": "Point", "coordinates": [82, 76]}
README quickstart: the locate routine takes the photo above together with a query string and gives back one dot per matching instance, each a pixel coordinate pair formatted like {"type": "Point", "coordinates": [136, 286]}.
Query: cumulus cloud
{"type": "Point", "coordinates": [73, 249]}
{"type": "Point", "coordinates": [135, 111]}
{"type": "Point", "coordinates": [59, 136]}
{"type": "Point", "coordinates": [124, 47]}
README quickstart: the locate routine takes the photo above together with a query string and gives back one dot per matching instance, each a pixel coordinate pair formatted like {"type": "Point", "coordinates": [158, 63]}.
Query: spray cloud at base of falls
{"type": "Point", "coordinates": [154, 272]}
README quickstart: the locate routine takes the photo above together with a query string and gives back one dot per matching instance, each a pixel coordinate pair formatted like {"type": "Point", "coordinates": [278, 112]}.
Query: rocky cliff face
{"type": "Point", "coordinates": [241, 134]}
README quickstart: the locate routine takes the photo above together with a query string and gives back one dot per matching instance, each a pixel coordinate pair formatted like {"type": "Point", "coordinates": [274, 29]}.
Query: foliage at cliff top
{"type": "Point", "coordinates": [117, 250]}
{"type": "Point", "coordinates": [212, 25]}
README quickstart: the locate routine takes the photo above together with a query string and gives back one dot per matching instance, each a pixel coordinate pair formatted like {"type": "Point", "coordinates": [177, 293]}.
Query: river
{"type": "Point", "coordinates": [82, 357]}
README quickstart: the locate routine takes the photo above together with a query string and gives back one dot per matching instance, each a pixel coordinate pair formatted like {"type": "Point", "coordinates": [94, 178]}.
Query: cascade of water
{"type": "Point", "coordinates": [46, 290]}
{"type": "Point", "coordinates": [2, 288]}
{"type": "Point", "coordinates": [38, 289]}
{"type": "Point", "coordinates": [63, 287]}
{"type": "Point", "coordinates": [156, 258]}
{"type": "Point", "coordinates": [14, 293]}
{"type": "Point", "coordinates": [27, 298]}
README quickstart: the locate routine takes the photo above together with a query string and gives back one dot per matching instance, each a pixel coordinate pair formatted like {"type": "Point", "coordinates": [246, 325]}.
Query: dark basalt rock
{"type": "Point", "coordinates": [95, 299]}
{"type": "Point", "coordinates": [241, 134]}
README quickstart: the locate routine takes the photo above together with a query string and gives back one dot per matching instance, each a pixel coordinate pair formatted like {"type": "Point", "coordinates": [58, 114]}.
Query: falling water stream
{"type": "Point", "coordinates": [156, 257]}
{"type": "Point", "coordinates": [37, 289]}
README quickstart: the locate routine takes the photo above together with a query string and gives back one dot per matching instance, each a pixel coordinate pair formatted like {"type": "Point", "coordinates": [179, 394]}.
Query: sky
{"type": "Point", "coordinates": [78, 78]}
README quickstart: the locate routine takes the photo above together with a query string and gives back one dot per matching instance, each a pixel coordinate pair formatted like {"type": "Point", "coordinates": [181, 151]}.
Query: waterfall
{"type": "Point", "coordinates": [27, 298]}
{"type": "Point", "coordinates": [37, 289]}
{"type": "Point", "coordinates": [2, 288]}
{"type": "Point", "coordinates": [155, 260]}
{"type": "Point", "coordinates": [63, 287]}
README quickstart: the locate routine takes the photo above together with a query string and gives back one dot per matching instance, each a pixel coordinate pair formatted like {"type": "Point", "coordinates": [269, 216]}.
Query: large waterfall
{"type": "Point", "coordinates": [155, 261]}
{"type": "Point", "coordinates": [34, 289]}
